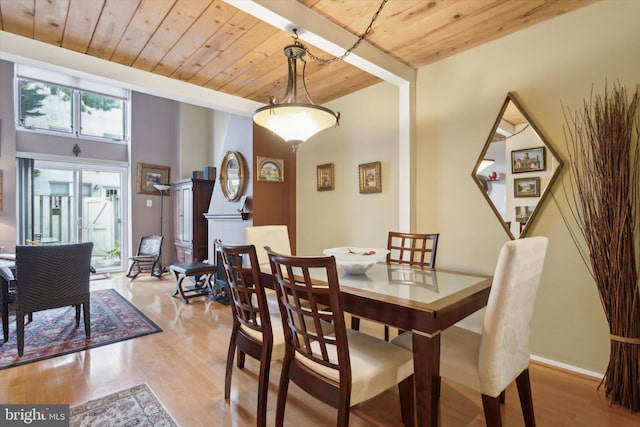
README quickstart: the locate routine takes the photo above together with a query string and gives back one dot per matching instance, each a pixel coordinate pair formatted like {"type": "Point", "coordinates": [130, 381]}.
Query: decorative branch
{"type": "Point", "coordinates": [603, 195]}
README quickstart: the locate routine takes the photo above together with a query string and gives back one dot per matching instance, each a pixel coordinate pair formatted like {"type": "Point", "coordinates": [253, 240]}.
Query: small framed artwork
{"type": "Point", "coordinates": [526, 187]}
{"type": "Point", "coordinates": [370, 178]}
{"type": "Point", "coordinates": [324, 177]}
{"type": "Point", "coordinates": [528, 160]}
{"type": "Point", "coordinates": [523, 213]}
{"type": "Point", "coordinates": [149, 175]}
{"type": "Point", "coordinates": [270, 169]}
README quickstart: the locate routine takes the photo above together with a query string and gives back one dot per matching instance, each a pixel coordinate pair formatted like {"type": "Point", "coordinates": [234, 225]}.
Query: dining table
{"type": "Point", "coordinates": [423, 301]}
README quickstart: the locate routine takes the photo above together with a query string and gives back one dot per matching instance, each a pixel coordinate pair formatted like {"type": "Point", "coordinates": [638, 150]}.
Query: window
{"type": "Point", "coordinates": [70, 106]}
{"type": "Point", "coordinates": [101, 116]}
{"type": "Point", "coordinates": [45, 106]}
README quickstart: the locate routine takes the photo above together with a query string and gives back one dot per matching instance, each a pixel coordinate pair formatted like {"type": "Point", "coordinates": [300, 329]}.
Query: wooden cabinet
{"type": "Point", "coordinates": [191, 199]}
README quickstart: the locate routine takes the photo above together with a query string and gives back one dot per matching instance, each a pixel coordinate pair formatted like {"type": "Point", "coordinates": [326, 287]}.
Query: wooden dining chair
{"type": "Point", "coordinates": [490, 361]}
{"type": "Point", "coordinates": [255, 331]}
{"type": "Point", "coordinates": [49, 277]}
{"type": "Point", "coordinates": [339, 367]}
{"type": "Point", "coordinates": [416, 250]}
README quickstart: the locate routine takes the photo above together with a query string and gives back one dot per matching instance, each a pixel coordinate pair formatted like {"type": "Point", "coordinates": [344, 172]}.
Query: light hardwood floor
{"type": "Point", "coordinates": [184, 365]}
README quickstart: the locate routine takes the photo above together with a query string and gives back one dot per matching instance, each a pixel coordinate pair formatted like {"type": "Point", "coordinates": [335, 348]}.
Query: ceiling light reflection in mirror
{"type": "Point", "coordinates": [515, 169]}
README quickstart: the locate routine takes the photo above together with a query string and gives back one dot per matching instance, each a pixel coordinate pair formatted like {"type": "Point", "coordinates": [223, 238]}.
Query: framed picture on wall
{"type": "Point", "coordinates": [270, 169]}
{"type": "Point", "coordinates": [149, 175]}
{"type": "Point", "coordinates": [523, 213]}
{"type": "Point", "coordinates": [370, 178]}
{"type": "Point", "coordinates": [324, 177]}
{"type": "Point", "coordinates": [526, 187]}
{"type": "Point", "coordinates": [528, 160]}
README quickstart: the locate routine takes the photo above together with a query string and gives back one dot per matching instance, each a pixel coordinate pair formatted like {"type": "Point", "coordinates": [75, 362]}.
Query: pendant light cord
{"type": "Point", "coordinates": [348, 51]}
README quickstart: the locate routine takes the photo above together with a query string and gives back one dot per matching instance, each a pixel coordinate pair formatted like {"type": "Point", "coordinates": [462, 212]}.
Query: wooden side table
{"type": "Point", "coordinates": [202, 273]}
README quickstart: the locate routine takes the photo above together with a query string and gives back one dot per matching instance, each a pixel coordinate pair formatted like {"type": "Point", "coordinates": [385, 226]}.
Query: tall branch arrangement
{"type": "Point", "coordinates": [603, 140]}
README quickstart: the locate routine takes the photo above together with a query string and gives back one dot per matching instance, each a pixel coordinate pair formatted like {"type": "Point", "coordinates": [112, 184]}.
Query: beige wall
{"type": "Point", "coordinates": [367, 133]}
{"type": "Point", "coordinates": [457, 102]}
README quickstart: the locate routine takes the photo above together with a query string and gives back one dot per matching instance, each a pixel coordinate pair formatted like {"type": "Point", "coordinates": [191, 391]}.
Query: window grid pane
{"type": "Point", "coordinates": [46, 106]}
{"type": "Point", "coordinates": [101, 116]}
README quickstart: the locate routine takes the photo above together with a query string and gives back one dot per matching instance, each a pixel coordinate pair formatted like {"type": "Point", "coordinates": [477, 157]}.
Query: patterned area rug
{"type": "Point", "coordinates": [53, 332]}
{"type": "Point", "coordinates": [136, 406]}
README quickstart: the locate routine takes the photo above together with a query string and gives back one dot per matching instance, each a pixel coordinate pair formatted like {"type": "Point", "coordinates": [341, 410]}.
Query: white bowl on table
{"type": "Point", "coordinates": [354, 260]}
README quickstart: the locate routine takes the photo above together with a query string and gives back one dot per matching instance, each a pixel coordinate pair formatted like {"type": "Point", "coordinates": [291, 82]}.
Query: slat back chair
{"type": "Point", "coordinates": [413, 249]}
{"type": "Point", "coordinates": [339, 367]}
{"type": "Point", "coordinates": [50, 277]}
{"type": "Point", "coordinates": [255, 332]}
{"type": "Point", "coordinates": [490, 361]}
{"type": "Point", "coordinates": [148, 257]}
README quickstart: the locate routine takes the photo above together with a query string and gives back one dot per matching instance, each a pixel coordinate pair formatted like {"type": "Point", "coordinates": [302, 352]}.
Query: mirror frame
{"type": "Point", "coordinates": [225, 176]}
{"type": "Point", "coordinates": [482, 185]}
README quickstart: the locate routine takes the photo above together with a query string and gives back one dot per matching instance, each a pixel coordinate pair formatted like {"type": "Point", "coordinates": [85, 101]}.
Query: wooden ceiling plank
{"type": "Point", "coordinates": [506, 19]}
{"type": "Point", "coordinates": [181, 17]}
{"type": "Point", "coordinates": [111, 27]}
{"type": "Point", "coordinates": [50, 21]}
{"type": "Point", "coordinates": [262, 56]}
{"type": "Point", "coordinates": [18, 17]}
{"type": "Point", "coordinates": [240, 54]}
{"type": "Point", "coordinates": [259, 57]}
{"type": "Point", "coordinates": [82, 21]}
{"type": "Point", "coordinates": [207, 24]}
{"type": "Point", "coordinates": [239, 34]}
{"type": "Point", "coordinates": [141, 28]}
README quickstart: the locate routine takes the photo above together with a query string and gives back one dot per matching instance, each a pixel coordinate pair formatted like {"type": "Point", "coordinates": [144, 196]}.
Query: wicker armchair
{"type": "Point", "coordinates": [52, 277]}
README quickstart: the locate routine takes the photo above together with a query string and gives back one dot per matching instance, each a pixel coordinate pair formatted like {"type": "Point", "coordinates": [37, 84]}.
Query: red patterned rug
{"type": "Point", "coordinates": [53, 332]}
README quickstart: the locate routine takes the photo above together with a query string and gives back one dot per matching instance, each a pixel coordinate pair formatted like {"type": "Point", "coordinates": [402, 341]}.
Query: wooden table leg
{"type": "Point", "coordinates": [426, 366]}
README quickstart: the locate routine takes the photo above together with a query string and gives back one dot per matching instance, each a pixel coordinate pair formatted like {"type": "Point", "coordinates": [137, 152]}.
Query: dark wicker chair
{"type": "Point", "coordinates": [255, 331]}
{"type": "Point", "coordinates": [51, 277]}
{"type": "Point", "coordinates": [148, 258]}
{"type": "Point", "coordinates": [336, 365]}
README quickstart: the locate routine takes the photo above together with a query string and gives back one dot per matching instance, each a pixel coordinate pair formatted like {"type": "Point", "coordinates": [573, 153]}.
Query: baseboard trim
{"type": "Point", "coordinates": [566, 367]}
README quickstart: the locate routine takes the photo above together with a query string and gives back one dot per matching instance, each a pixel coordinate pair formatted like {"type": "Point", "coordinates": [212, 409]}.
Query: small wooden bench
{"type": "Point", "coordinates": [201, 272]}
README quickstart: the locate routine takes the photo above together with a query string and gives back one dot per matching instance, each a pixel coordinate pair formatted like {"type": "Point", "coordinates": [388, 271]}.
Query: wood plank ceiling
{"type": "Point", "coordinates": [212, 44]}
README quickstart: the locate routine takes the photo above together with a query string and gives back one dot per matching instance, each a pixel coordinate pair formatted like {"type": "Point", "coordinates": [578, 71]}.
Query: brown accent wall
{"type": "Point", "coordinates": [274, 202]}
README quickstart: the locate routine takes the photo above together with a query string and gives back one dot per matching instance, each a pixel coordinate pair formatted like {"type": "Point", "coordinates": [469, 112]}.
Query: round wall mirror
{"type": "Point", "coordinates": [232, 176]}
{"type": "Point", "coordinates": [516, 168]}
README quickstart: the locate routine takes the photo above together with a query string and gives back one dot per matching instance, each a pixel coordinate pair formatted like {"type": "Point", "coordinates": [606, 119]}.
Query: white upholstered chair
{"type": "Point", "coordinates": [277, 238]}
{"type": "Point", "coordinates": [490, 361]}
{"type": "Point", "coordinates": [274, 236]}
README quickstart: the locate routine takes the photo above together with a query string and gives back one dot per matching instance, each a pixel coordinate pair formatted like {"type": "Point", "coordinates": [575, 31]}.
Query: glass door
{"type": "Point", "coordinates": [80, 203]}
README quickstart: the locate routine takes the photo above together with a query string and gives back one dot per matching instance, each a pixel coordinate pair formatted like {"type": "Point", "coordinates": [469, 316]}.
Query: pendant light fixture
{"type": "Point", "coordinates": [293, 120]}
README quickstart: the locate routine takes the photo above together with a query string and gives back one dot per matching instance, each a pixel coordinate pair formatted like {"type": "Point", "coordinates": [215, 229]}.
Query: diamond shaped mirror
{"type": "Point", "coordinates": [516, 168]}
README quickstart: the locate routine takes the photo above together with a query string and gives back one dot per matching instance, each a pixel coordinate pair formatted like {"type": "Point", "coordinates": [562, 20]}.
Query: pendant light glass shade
{"type": "Point", "coordinates": [293, 121]}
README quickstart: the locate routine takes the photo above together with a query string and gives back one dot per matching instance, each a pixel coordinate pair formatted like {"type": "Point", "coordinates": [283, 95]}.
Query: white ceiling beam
{"type": "Point", "coordinates": [324, 34]}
